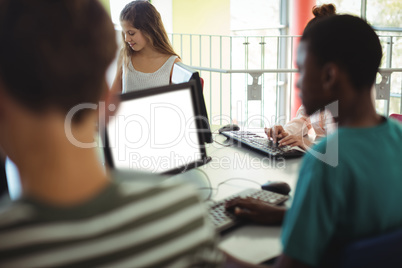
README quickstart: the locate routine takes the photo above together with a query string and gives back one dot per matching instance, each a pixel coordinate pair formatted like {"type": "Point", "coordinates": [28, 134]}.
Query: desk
{"type": "Point", "coordinates": [252, 243]}
{"type": "Point", "coordinates": [231, 170]}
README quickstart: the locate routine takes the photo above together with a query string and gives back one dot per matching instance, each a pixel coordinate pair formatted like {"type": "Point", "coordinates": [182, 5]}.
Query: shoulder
{"type": "Point", "coordinates": [173, 213]}
{"type": "Point", "coordinates": [172, 59]}
{"type": "Point", "coordinates": [140, 183]}
{"type": "Point", "coordinates": [301, 112]}
{"type": "Point", "coordinates": [177, 59]}
{"type": "Point", "coordinates": [15, 213]}
{"type": "Point", "coordinates": [346, 147]}
{"type": "Point", "coordinates": [324, 153]}
{"type": "Point", "coordinates": [122, 58]}
{"type": "Point", "coordinates": [169, 191]}
{"type": "Point", "coordinates": [152, 192]}
{"type": "Point", "coordinates": [395, 126]}
{"type": "Point", "coordinates": [300, 115]}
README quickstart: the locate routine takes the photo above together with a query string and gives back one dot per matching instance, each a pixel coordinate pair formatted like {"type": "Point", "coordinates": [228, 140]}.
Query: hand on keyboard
{"type": "Point", "coordinates": [256, 210]}
{"type": "Point", "coordinates": [296, 140]}
{"type": "Point", "coordinates": [276, 133]}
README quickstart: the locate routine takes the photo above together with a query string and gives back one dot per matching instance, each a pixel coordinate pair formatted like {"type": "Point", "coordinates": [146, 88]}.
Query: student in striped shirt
{"type": "Point", "coordinates": [53, 58]}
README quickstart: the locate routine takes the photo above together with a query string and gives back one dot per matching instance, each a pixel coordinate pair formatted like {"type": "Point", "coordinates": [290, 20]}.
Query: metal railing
{"type": "Point", "coordinates": [250, 80]}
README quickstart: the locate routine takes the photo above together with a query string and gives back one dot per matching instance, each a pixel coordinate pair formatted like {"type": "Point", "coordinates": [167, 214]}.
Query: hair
{"type": "Point", "coordinates": [143, 16]}
{"type": "Point", "coordinates": [349, 42]}
{"type": "Point", "coordinates": [51, 54]}
{"type": "Point", "coordinates": [322, 11]}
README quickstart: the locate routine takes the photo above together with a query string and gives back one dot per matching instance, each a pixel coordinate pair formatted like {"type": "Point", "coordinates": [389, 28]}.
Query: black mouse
{"type": "Point", "coordinates": [279, 187]}
{"type": "Point", "coordinates": [229, 127]}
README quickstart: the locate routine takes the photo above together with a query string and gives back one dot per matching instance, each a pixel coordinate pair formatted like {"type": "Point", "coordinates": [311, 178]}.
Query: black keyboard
{"type": "Point", "coordinates": [262, 144]}
{"type": "Point", "coordinates": [225, 220]}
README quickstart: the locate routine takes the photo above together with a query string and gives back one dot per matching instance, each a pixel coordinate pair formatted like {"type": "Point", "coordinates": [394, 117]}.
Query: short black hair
{"type": "Point", "coordinates": [349, 42]}
{"type": "Point", "coordinates": [54, 53]}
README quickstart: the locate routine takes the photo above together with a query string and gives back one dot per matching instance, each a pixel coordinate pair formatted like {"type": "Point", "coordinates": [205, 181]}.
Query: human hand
{"type": "Point", "coordinates": [276, 133]}
{"type": "Point", "coordinates": [256, 210]}
{"type": "Point", "coordinates": [296, 140]}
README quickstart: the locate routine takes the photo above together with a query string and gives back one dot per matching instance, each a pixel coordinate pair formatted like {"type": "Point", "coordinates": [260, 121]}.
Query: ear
{"type": "Point", "coordinates": [330, 77]}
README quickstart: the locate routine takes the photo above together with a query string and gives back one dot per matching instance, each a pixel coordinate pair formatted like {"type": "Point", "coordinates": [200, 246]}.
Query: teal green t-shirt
{"type": "Point", "coordinates": [350, 186]}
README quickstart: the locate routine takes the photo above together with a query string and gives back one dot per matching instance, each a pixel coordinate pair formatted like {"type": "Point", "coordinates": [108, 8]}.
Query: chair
{"type": "Point", "coordinates": [380, 251]}
{"type": "Point", "coordinates": [397, 116]}
{"type": "Point", "coordinates": [202, 83]}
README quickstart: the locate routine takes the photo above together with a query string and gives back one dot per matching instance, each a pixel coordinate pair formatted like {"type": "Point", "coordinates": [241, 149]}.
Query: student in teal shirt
{"type": "Point", "coordinates": [350, 183]}
{"type": "Point", "coordinates": [355, 198]}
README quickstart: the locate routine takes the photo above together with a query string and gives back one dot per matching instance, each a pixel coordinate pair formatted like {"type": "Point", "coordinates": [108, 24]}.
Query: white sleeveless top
{"type": "Point", "coordinates": [135, 80]}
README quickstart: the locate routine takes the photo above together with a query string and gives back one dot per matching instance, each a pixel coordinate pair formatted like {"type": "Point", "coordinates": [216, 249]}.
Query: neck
{"type": "Point", "coordinates": [148, 52]}
{"type": "Point", "coordinates": [54, 170]}
{"type": "Point", "coordinates": [358, 111]}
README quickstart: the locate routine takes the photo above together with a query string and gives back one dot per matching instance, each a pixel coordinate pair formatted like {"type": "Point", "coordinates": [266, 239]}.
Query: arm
{"type": "Point", "coordinates": [319, 122]}
{"type": "Point", "coordinates": [311, 221]}
{"type": "Point", "coordinates": [296, 140]}
{"type": "Point", "coordinates": [300, 124]}
{"type": "Point", "coordinates": [171, 72]}
{"type": "Point", "coordinates": [322, 123]}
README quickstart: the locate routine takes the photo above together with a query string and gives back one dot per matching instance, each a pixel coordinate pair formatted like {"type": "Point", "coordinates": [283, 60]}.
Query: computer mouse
{"type": "Point", "coordinates": [229, 127]}
{"type": "Point", "coordinates": [279, 187]}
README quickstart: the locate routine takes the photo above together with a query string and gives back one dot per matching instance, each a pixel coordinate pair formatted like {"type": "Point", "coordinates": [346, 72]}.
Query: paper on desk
{"type": "Point", "coordinates": [253, 243]}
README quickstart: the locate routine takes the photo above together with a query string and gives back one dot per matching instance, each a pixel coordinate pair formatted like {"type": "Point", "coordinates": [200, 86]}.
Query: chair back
{"type": "Point", "coordinates": [380, 251]}
{"type": "Point", "coordinates": [202, 83]}
{"type": "Point", "coordinates": [396, 116]}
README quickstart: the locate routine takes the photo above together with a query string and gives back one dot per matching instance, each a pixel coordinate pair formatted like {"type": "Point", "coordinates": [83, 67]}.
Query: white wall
{"type": "Point", "coordinates": [165, 9]}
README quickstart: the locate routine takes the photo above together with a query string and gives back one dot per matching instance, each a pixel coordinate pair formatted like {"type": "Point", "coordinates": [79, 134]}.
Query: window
{"type": "Point", "coordinates": [257, 16]}
{"type": "Point", "coordinates": [115, 8]}
{"type": "Point", "coordinates": [344, 6]}
{"type": "Point", "coordinates": [384, 13]}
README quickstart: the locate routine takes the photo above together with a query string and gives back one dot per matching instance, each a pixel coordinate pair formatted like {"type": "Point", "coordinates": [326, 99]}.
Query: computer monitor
{"type": "Point", "coordinates": [12, 179]}
{"type": "Point", "coordinates": [156, 130]}
{"type": "Point", "coordinates": [181, 74]}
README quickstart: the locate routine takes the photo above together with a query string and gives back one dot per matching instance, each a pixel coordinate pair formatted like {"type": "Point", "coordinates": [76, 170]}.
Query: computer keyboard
{"type": "Point", "coordinates": [225, 220]}
{"type": "Point", "coordinates": [262, 144]}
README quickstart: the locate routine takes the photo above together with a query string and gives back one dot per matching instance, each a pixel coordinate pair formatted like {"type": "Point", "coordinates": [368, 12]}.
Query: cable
{"type": "Point", "coordinates": [216, 132]}
{"type": "Point", "coordinates": [209, 182]}
{"type": "Point", "coordinates": [236, 179]}
{"type": "Point", "coordinates": [224, 145]}
{"type": "Point", "coordinates": [225, 181]}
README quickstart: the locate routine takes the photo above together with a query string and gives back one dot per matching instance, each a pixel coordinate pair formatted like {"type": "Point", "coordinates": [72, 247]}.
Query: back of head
{"type": "Point", "coordinates": [322, 11]}
{"type": "Point", "coordinates": [143, 16]}
{"type": "Point", "coordinates": [54, 54]}
{"type": "Point", "coordinates": [349, 42]}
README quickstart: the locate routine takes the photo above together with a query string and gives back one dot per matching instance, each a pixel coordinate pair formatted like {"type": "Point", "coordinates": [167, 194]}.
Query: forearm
{"type": "Point", "coordinates": [257, 211]}
{"type": "Point", "coordinates": [296, 126]}
{"type": "Point", "coordinates": [277, 214]}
